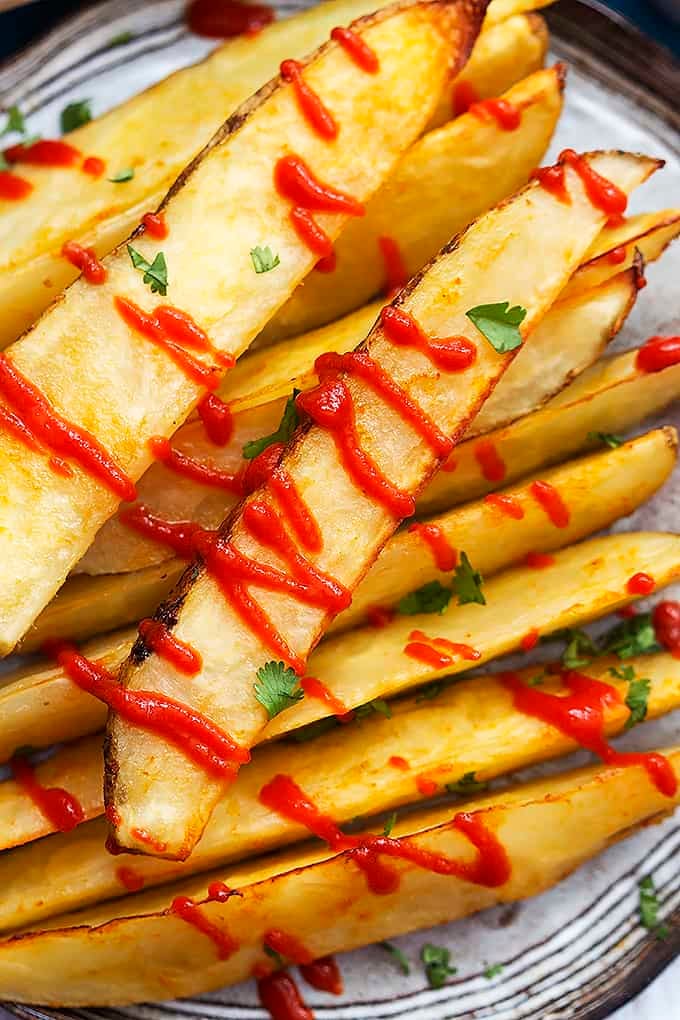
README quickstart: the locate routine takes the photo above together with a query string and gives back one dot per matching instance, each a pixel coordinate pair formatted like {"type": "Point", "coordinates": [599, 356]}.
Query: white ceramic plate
{"type": "Point", "coordinates": [578, 951]}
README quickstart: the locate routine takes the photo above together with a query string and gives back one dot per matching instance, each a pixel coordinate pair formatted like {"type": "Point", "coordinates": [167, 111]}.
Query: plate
{"type": "Point", "coordinates": [577, 952]}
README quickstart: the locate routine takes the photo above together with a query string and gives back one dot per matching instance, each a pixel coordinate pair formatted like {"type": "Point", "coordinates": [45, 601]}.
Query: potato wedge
{"type": "Point", "coordinates": [624, 479]}
{"type": "Point", "coordinates": [469, 728]}
{"type": "Point", "coordinates": [42, 706]}
{"type": "Point", "coordinates": [447, 179]}
{"type": "Point", "coordinates": [160, 131]}
{"type": "Point", "coordinates": [496, 259]}
{"type": "Point", "coordinates": [547, 828]}
{"type": "Point", "coordinates": [103, 376]}
{"type": "Point", "coordinates": [570, 337]}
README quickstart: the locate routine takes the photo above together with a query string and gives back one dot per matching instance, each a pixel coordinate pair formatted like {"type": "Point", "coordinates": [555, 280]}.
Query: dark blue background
{"type": "Point", "coordinates": [20, 26]}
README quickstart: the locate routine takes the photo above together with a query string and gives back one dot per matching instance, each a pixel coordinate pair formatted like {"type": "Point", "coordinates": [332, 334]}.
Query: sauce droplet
{"type": "Point", "coordinates": [323, 974]}
{"type": "Point", "coordinates": [59, 807]}
{"type": "Point", "coordinates": [217, 419]}
{"type": "Point", "coordinates": [94, 166]}
{"type": "Point", "coordinates": [281, 997]}
{"type": "Point", "coordinates": [538, 560]}
{"type": "Point", "coordinates": [445, 556]}
{"type": "Point", "coordinates": [506, 114]}
{"type": "Point", "coordinates": [640, 584]}
{"type": "Point", "coordinates": [658, 353]}
{"type": "Point", "coordinates": [547, 496]}
{"type": "Point", "coordinates": [314, 688]}
{"type": "Point", "coordinates": [357, 49]}
{"type": "Point", "coordinates": [508, 505]}
{"type": "Point", "coordinates": [84, 259]}
{"type": "Point", "coordinates": [14, 188]}
{"type": "Point", "coordinates": [319, 118]}
{"type": "Point", "coordinates": [154, 224]}
{"type": "Point", "coordinates": [666, 620]}
{"type": "Point", "coordinates": [185, 908]}
{"type": "Point", "coordinates": [225, 19]}
{"type": "Point", "coordinates": [490, 461]}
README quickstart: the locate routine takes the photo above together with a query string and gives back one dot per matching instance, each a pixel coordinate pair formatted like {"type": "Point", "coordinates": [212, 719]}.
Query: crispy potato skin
{"type": "Point", "coordinates": [470, 727]}
{"type": "Point", "coordinates": [132, 951]}
{"type": "Point", "coordinates": [495, 259]}
{"type": "Point", "coordinates": [127, 389]}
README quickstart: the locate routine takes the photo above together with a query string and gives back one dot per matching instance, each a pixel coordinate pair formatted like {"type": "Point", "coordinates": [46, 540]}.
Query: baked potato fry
{"type": "Point", "coordinates": [160, 131]}
{"type": "Point", "coordinates": [152, 787]}
{"type": "Point", "coordinates": [569, 338]}
{"type": "Point", "coordinates": [104, 376]}
{"type": "Point", "coordinates": [547, 829]}
{"type": "Point", "coordinates": [470, 728]}
{"type": "Point", "coordinates": [624, 478]}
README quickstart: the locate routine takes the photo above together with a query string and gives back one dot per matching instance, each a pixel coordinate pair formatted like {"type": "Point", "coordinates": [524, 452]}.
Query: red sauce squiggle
{"type": "Point", "coordinates": [602, 193]}
{"type": "Point", "coordinates": [176, 535]}
{"type": "Point", "coordinates": [553, 180]}
{"type": "Point", "coordinates": [508, 505]}
{"type": "Point", "coordinates": [506, 114]}
{"type": "Point", "coordinates": [538, 560]}
{"type": "Point", "coordinates": [295, 510]}
{"type": "Point", "coordinates": [314, 688]}
{"type": "Point", "coordinates": [330, 406]}
{"type": "Point", "coordinates": [192, 733]}
{"type": "Point", "coordinates": [323, 974]}
{"type": "Point", "coordinates": [463, 96]}
{"type": "Point", "coordinates": [14, 188]}
{"type": "Point", "coordinates": [155, 225]}
{"type": "Point", "coordinates": [433, 651]}
{"type": "Point", "coordinates": [217, 418]}
{"type": "Point", "coordinates": [580, 716]}
{"type": "Point", "coordinates": [59, 807]}
{"type": "Point", "coordinates": [185, 908]}
{"type": "Point", "coordinates": [173, 331]}
{"type": "Point", "coordinates": [84, 259]}
{"type": "Point", "coordinates": [319, 118]}
{"type": "Point", "coordinates": [490, 461]}
{"type": "Point", "coordinates": [56, 434]}
{"type": "Point", "coordinates": [453, 354]}
{"type": "Point", "coordinates": [280, 996]}
{"type": "Point", "coordinates": [159, 639]}
{"type": "Point", "coordinates": [357, 49]}
{"type": "Point", "coordinates": [491, 866]}
{"type": "Point", "coordinates": [44, 152]}
{"type": "Point", "coordinates": [658, 353]}
{"type": "Point", "coordinates": [288, 946]}
{"type": "Point", "coordinates": [314, 237]}
{"type": "Point", "coordinates": [445, 556]}
{"type": "Point", "coordinates": [198, 470]}
{"type": "Point", "coordinates": [359, 363]}
{"type": "Point", "coordinates": [130, 879]}
{"type": "Point", "coordinates": [296, 182]}
{"type": "Point", "coordinates": [228, 18]}
{"type": "Point", "coordinates": [396, 273]}
{"type": "Point", "coordinates": [261, 468]}
{"type": "Point", "coordinates": [547, 496]}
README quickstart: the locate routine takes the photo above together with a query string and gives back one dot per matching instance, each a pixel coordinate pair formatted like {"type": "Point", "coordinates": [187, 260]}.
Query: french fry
{"type": "Point", "coordinates": [547, 828]}
{"type": "Point", "coordinates": [42, 706]}
{"type": "Point", "coordinates": [173, 802]}
{"type": "Point", "coordinates": [444, 182]}
{"type": "Point", "coordinates": [570, 337]}
{"type": "Point", "coordinates": [161, 130]}
{"type": "Point", "coordinates": [103, 376]}
{"type": "Point", "coordinates": [471, 728]}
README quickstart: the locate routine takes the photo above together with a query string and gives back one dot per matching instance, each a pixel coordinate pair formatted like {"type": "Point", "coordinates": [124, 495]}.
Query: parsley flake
{"type": "Point", "coordinates": [277, 687]}
{"type": "Point", "coordinates": [263, 260]}
{"type": "Point", "coordinates": [493, 970]}
{"type": "Point", "coordinates": [276, 957]}
{"type": "Point", "coordinates": [389, 824]}
{"type": "Point", "coordinates": [75, 115]}
{"type": "Point", "coordinates": [121, 39]}
{"type": "Point", "coordinates": [286, 428]}
{"type": "Point", "coordinates": [155, 273]}
{"type": "Point", "coordinates": [631, 637]}
{"type": "Point", "coordinates": [637, 697]}
{"type": "Point", "coordinates": [399, 957]}
{"type": "Point", "coordinates": [123, 175]}
{"type": "Point", "coordinates": [607, 438]}
{"type": "Point", "coordinates": [499, 324]}
{"type": "Point", "coordinates": [467, 582]}
{"type": "Point", "coordinates": [649, 909]}
{"type": "Point", "coordinates": [437, 964]}
{"type": "Point", "coordinates": [432, 597]}
{"type": "Point", "coordinates": [580, 649]}
{"type": "Point", "coordinates": [466, 785]}
{"type": "Point", "coordinates": [15, 122]}
{"type": "Point", "coordinates": [378, 705]}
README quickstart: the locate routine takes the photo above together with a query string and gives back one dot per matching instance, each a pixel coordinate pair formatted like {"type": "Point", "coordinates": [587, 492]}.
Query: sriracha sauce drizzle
{"type": "Point", "coordinates": [218, 421]}
{"type": "Point", "coordinates": [84, 259]}
{"type": "Point", "coordinates": [281, 997]}
{"type": "Point", "coordinates": [508, 505]}
{"type": "Point", "coordinates": [226, 19]}
{"type": "Point", "coordinates": [14, 188]}
{"type": "Point", "coordinates": [603, 194]}
{"type": "Point", "coordinates": [159, 639]}
{"type": "Point", "coordinates": [396, 274]}
{"type": "Point", "coordinates": [198, 470]}
{"type": "Point", "coordinates": [313, 110]}
{"type": "Point", "coordinates": [438, 651]}
{"type": "Point", "coordinates": [490, 461]}
{"type": "Point", "coordinates": [453, 354]}
{"type": "Point", "coordinates": [224, 943]}
{"type": "Point", "coordinates": [445, 556]}
{"type": "Point", "coordinates": [657, 353]}
{"type": "Point", "coordinates": [155, 225]}
{"type": "Point", "coordinates": [506, 114]}
{"type": "Point", "coordinates": [549, 499]}
{"type": "Point", "coordinates": [58, 806]}
{"type": "Point", "coordinates": [314, 688]}
{"type": "Point", "coordinates": [357, 49]}
{"type": "Point", "coordinates": [296, 182]}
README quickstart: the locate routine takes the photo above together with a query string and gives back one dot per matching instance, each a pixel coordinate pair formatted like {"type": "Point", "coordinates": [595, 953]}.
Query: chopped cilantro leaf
{"type": "Point", "coordinates": [276, 957]}
{"type": "Point", "coordinates": [399, 957]}
{"type": "Point", "coordinates": [499, 324]}
{"type": "Point", "coordinates": [287, 425]}
{"type": "Point", "coordinates": [263, 260]}
{"type": "Point", "coordinates": [155, 273]}
{"type": "Point", "coordinates": [607, 438]}
{"type": "Point", "coordinates": [432, 690]}
{"type": "Point", "coordinates": [277, 687]}
{"type": "Point", "coordinates": [493, 970]}
{"type": "Point", "coordinates": [75, 115]}
{"type": "Point", "coordinates": [15, 122]}
{"type": "Point", "coordinates": [432, 597]}
{"type": "Point", "coordinates": [378, 705]}
{"type": "Point", "coordinates": [537, 680]}
{"type": "Point", "coordinates": [466, 784]}
{"type": "Point", "coordinates": [631, 637]}
{"type": "Point", "coordinates": [437, 964]}
{"type": "Point", "coordinates": [123, 175]}
{"type": "Point", "coordinates": [467, 582]}
{"type": "Point", "coordinates": [580, 649]}
{"type": "Point", "coordinates": [389, 824]}
{"type": "Point", "coordinates": [637, 696]}
{"type": "Point", "coordinates": [313, 730]}
{"type": "Point", "coordinates": [649, 909]}
{"type": "Point", "coordinates": [121, 39]}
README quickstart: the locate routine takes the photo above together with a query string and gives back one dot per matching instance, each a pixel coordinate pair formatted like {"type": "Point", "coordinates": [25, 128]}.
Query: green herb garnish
{"type": "Point", "coordinates": [499, 324]}
{"type": "Point", "coordinates": [277, 687]}
{"type": "Point", "coordinates": [437, 964]}
{"type": "Point", "coordinates": [155, 273]}
{"type": "Point", "coordinates": [467, 582]}
{"type": "Point", "coordinates": [286, 428]}
{"type": "Point", "coordinates": [75, 115]}
{"type": "Point", "coordinates": [399, 957]}
{"type": "Point", "coordinates": [649, 909]}
{"type": "Point", "coordinates": [263, 260]}
{"type": "Point", "coordinates": [607, 438]}
{"type": "Point", "coordinates": [432, 597]}
{"type": "Point", "coordinates": [123, 175]}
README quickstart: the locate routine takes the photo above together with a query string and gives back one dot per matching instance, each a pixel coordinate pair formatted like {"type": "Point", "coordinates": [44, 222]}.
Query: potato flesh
{"type": "Point", "coordinates": [104, 377]}
{"type": "Point", "coordinates": [548, 828]}
{"type": "Point", "coordinates": [494, 260]}
{"type": "Point", "coordinates": [570, 337]}
{"type": "Point", "coordinates": [471, 727]}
